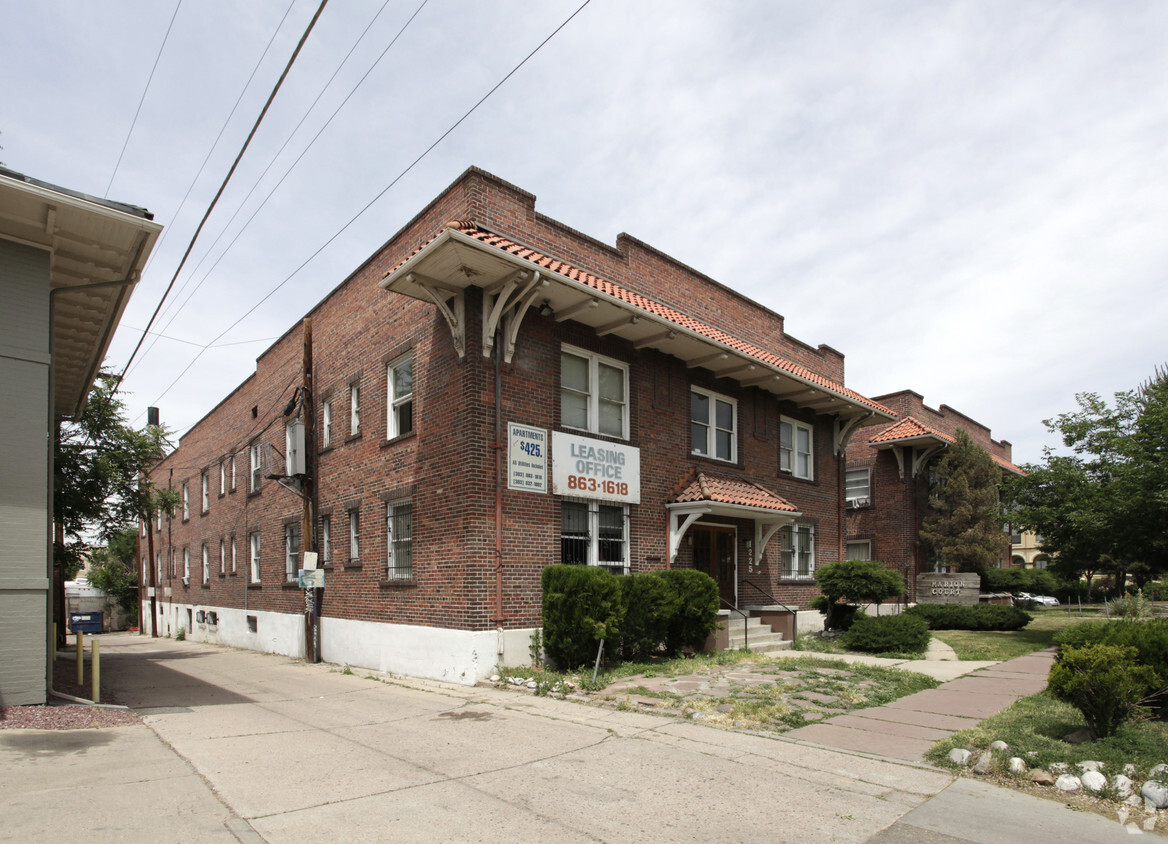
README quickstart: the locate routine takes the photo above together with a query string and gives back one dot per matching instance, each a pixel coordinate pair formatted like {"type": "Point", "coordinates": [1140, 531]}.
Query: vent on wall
{"type": "Point", "coordinates": [252, 625]}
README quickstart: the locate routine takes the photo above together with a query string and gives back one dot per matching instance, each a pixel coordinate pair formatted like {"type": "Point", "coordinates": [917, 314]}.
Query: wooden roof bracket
{"type": "Point", "coordinates": [843, 429]}
{"type": "Point", "coordinates": [452, 306]}
{"type": "Point", "coordinates": [506, 309]}
{"type": "Point", "coordinates": [763, 531]}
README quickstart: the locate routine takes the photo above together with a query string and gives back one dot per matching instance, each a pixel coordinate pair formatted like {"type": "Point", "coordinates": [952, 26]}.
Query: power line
{"type": "Point", "coordinates": [222, 187]}
{"type": "Point", "coordinates": [162, 336]}
{"type": "Point", "coordinates": [138, 111]}
{"type": "Point", "coordinates": [370, 203]}
{"type": "Point", "coordinates": [294, 163]}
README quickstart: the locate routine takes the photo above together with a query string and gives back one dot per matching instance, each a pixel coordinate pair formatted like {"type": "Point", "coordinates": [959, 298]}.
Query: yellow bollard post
{"type": "Point", "coordinates": [80, 660]}
{"type": "Point", "coordinates": [95, 671]}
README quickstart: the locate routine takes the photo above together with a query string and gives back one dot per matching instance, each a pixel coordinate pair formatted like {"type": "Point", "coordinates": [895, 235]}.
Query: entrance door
{"type": "Point", "coordinates": [713, 551]}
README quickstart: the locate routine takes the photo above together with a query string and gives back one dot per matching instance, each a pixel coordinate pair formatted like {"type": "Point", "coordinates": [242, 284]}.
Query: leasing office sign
{"type": "Point", "coordinates": [599, 469]}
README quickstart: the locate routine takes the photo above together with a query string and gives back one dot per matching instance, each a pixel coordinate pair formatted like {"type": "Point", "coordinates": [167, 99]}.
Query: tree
{"type": "Point", "coordinates": [1105, 505]}
{"type": "Point", "coordinates": [855, 581]}
{"type": "Point", "coordinates": [963, 529]}
{"type": "Point", "coordinates": [114, 570]}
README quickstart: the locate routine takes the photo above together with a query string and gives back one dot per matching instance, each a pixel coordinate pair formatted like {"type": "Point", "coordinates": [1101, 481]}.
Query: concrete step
{"type": "Point", "coordinates": [758, 636]}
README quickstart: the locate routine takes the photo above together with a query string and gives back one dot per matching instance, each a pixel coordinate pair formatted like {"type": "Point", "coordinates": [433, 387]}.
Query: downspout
{"type": "Point", "coordinates": [498, 448]}
{"type": "Point", "coordinates": [56, 592]}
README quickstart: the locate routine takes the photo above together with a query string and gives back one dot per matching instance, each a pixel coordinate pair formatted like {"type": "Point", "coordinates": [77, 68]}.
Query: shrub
{"type": "Point", "coordinates": [837, 616]}
{"type": "Point", "coordinates": [976, 617]}
{"type": "Point", "coordinates": [1104, 682]}
{"type": "Point", "coordinates": [1131, 606]}
{"type": "Point", "coordinates": [1149, 639]}
{"type": "Point", "coordinates": [1035, 581]}
{"type": "Point", "coordinates": [650, 602]}
{"type": "Point", "coordinates": [857, 582]}
{"type": "Point", "coordinates": [581, 606]}
{"type": "Point", "coordinates": [901, 633]}
{"type": "Point", "coordinates": [695, 611]}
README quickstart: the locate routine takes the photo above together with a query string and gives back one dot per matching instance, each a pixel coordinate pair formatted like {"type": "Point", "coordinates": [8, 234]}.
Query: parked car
{"type": "Point", "coordinates": [1041, 600]}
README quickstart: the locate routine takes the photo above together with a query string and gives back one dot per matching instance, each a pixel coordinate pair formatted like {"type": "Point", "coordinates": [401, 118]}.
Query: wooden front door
{"type": "Point", "coordinates": [713, 551]}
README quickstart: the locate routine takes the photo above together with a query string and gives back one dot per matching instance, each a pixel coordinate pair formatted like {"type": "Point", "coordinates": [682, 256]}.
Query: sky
{"type": "Point", "coordinates": [967, 199]}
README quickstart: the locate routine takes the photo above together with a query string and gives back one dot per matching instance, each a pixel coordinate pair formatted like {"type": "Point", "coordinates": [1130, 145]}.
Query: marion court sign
{"type": "Point", "coordinates": [948, 588]}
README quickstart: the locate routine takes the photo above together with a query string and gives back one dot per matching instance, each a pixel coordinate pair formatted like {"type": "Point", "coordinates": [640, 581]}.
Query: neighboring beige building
{"type": "Point", "coordinates": [1026, 550]}
{"type": "Point", "coordinates": [68, 263]}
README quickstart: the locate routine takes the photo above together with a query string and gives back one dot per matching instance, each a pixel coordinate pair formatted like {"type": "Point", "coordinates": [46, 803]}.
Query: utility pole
{"type": "Point", "coordinates": [308, 488]}
{"type": "Point", "coordinates": [153, 581]}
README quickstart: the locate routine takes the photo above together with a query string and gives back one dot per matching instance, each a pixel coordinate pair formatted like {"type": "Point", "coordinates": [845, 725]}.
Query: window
{"type": "Point", "coordinates": [234, 558]}
{"type": "Point", "coordinates": [399, 378]}
{"type": "Point", "coordinates": [712, 425]}
{"type": "Point", "coordinates": [326, 539]}
{"type": "Point", "coordinates": [859, 550]}
{"type": "Point", "coordinates": [233, 472]}
{"type": "Point", "coordinates": [795, 442]}
{"type": "Point", "coordinates": [594, 534]}
{"type": "Point", "coordinates": [254, 543]}
{"type": "Point", "coordinates": [858, 489]}
{"type": "Point", "coordinates": [205, 488]}
{"type": "Point", "coordinates": [222, 556]}
{"type": "Point", "coordinates": [326, 428]}
{"type": "Point", "coordinates": [354, 409]}
{"type": "Point", "coordinates": [158, 562]}
{"type": "Point", "coordinates": [798, 551]}
{"type": "Point", "coordinates": [354, 534]}
{"type": "Point", "coordinates": [291, 551]}
{"type": "Point", "coordinates": [222, 477]}
{"type": "Point", "coordinates": [399, 538]}
{"type": "Point", "coordinates": [186, 564]}
{"type": "Point", "coordinates": [158, 523]}
{"type": "Point", "coordinates": [206, 565]}
{"type": "Point", "coordinates": [256, 466]}
{"type": "Point", "coordinates": [594, 394]}
{"type": "Point", "coordinates": [186, 501]}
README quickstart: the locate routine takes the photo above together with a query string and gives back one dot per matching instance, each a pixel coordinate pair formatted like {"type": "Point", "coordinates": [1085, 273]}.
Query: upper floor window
{"type": "Point", "coordinates": [326, 428]}
{"type": "Point", "coordinates": [256, 466]}
{"type": "Point", "coordinates": [858, 488]}
{"type": "Point", "coordinates": [253, 541]}
{"type": "Point", "coordinates": [326, 539]}
{"type": "Point", "coordinates": [354, 535]}
{"type": "Point", "coordinates": [206, 564]}
{"type": "Point", "coordinates": [205, 487]}
{"type": "Point", "coordinates": [233, 472]}
{"type": "Point", "coordinates": [291, 551]}
{"type": "Point", "coordinates": [186, 501]}
{"type": "Point", "coordinates": [399, 529]}
{"type": "Point", "coordinates": [594, 534]}
{"type": "Point", "coordinates": [186, 565]}
{"type": "Point", "coordinates": [222, 556]}
{"type": "Point", "coordinates": [594, 393]}
{"type": "Point", "coordinates": [222, 477]}
{"type": "Point", "coordinates": [713, 425]}
{"type": "Point", "coordinates": [795, 448]}
{"type": "Point", "coordinates": [399, 379]}
{"type": "Point", "coordinates": [798, 551]}
{"type": "Point", "coordinates": [354, 409]}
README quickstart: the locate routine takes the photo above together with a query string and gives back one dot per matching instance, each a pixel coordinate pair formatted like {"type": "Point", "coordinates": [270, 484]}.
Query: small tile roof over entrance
{"type": "Point", "coordinates": [909, 429]}
{"type": "Point", "coordinates": [721, 489]}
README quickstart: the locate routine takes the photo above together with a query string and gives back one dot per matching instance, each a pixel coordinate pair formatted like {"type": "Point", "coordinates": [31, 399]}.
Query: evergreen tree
{"type": "Point", "coordinates": [963, 529]}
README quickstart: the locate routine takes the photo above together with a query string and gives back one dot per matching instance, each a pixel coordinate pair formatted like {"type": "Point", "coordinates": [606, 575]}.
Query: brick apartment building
{"type": "Point", "coordinates": [887, 480]}
{"type": "Point", "coordinates": [494, 392]}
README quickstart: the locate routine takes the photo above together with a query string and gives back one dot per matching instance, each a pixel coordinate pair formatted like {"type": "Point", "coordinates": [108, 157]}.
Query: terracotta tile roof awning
{"type": "Point", "coordinates": [465, 255]}
{"type": "Point", "coordinates": [732, 491]}
{"type": "Point", "coordinates": [910, 431]}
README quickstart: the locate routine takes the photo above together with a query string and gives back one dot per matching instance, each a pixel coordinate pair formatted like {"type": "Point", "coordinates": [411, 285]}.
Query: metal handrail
{"type": "Point", "coordinates": [766, 594]}
{"type": "Point", "coordinates": [745, 620]}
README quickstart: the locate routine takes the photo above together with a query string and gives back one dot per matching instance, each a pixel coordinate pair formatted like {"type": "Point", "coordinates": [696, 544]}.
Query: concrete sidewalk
{"type": "Point", "coordinates": [259, 747]}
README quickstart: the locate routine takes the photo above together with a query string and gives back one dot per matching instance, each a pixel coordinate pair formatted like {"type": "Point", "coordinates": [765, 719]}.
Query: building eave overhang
{"type": "Point", "coordinates": [733, 511]}
{"type": "Point", "coordinates": [97, 250]}
{"type": "Point", "coordinates": [454, 261]}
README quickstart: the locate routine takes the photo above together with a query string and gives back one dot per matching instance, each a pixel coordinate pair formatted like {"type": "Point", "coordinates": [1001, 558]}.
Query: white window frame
{"type": "Point", "coordinates": [592, 539]}
{"type": "Point", "coordinates": [326, 538]}
{"type": "Point", "coordinates": [205, 489]}
{"type": "Point", "coordinates": [206, 564]}
{"type": "Point", "coordinates": [789, 452]}
{"type": "Point", "coordinates": [158, 561]}
{"type": "Point", "coordinates": [592, 396]}
{"type": "Point", "coordinates": [354, 534]}
{"type": "Point", "coordinates": [326, 432]}
{"type": "Point", "coordinates": [233, 473]}
{"type": "Point", "coordinates": [395, 403]}
{"type": "Point", "coordinates": [234, 556]}
{"type": "Point", "coordinates": [855, 494]}
{"type": "Point", "coordinates": [187, 564]}
{"type": "Point", "coordinates": [255, 477]}
{"type": "Point", "coordinates": [354, 408]}
{"type": "Point", "coordinates": [291, 551]}
{"type": "Point", "coordinates": [398, 547]}
{"type": "Point", "coordinates": [867, 543]}
{"type": "Point", "coordinates": [789, 564]}
{"type": "Point", "coordinates": [186, 501]}
{"type": "Point", "coordinates": [711, 427]}
{"type": "Point", "coordinates": [253, 543]}
{"type": "Point", "coordinates": [222, 556]}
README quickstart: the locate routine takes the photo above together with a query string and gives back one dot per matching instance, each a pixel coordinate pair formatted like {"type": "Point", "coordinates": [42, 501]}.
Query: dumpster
{"type": "Point", "coordinates": [85, 622]}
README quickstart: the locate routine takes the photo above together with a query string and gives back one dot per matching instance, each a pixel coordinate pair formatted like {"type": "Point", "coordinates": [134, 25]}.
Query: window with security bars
{"type": "Point", "coordinates": [594, 534]}
{"type": "Point", "coordinates": [291, 551]}
{"type": "Point", "coordinates": [798, 551]}
{"type": "Point", "coordinates": [399, 541]}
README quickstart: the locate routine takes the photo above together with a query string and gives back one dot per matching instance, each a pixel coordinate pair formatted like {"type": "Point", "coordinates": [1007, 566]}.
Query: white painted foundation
{"type": "Point", "coordinates": [454, 656]}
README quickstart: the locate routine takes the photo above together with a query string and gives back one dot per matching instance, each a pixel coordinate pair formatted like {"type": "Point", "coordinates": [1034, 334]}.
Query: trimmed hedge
{"type": "Point", "coordinates": [975, 617]}
{"type": "Point", "coordinates": [1034, 581]}
{"type": "Point", "coordinates": [581, 606]}
{"type": "Point", "coordinates": [696, 613]}
{"type": "Point", "coordinates": [1104, 682]}
{"type": "Point", "coordinates": [650, 601]}
{"type": "Point", "coordinates": [1149, 639]}
{"type": "Point", "coordinates": [901, 633]}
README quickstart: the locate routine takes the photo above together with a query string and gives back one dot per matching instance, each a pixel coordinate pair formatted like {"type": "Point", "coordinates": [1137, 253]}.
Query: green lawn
{"type": "Point", "coordinates": [1003, 645]}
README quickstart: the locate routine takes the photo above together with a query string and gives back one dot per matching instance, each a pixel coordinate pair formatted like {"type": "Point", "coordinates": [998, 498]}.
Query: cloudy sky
{"type": "Point", "coordinates": [967, 199]}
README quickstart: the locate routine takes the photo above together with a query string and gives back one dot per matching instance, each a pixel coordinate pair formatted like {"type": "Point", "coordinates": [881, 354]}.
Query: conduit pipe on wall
{"type": "Point", "coordinates": [498, 447]}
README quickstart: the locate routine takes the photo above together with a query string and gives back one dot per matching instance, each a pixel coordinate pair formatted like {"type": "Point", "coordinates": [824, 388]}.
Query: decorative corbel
{"type": "Point", "coordinates": [451, 304]}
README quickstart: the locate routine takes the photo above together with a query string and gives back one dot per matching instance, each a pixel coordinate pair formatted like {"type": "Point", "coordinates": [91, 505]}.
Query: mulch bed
{"type": "Point", "coordinates": [60, 714]}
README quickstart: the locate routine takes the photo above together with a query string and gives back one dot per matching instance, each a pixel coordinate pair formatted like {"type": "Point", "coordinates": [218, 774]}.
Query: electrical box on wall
{"type": "Point", "coordinates": [295, 448]}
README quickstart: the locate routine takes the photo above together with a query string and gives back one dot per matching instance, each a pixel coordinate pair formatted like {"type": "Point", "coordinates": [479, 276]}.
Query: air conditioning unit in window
{"type": "Point", "coordinates": [186, 581]}
{"type": "Point", "coordinates": [856, 503]}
